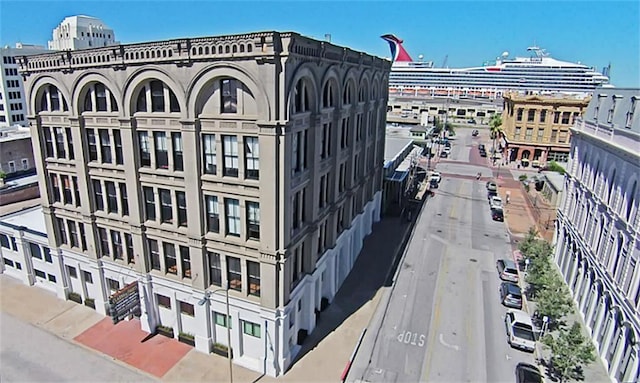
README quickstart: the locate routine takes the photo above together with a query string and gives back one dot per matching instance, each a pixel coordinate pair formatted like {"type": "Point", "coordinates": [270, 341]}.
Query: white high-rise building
{"type": "Point", "coordinates": [597, 238]}
{"type": "Point", "coordinates": [13, 107]}
{"type": "Point", "coordinates": [81, 32]}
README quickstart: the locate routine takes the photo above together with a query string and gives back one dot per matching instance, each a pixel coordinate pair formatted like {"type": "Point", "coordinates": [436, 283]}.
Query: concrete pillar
{"type": "Point", "coordinates": [618, 353]}
{"type": "Point", "coordinates": [149, 318]}
{"type": "Point", "coordinates": [610, 327]}
{"type": "Point", "coordinates": [598, 326]}
{"type": "Point", "coordinates": [203, 328]}
{"type": "Point", "coordinates": [632, 373]}
{"type": "Point", "coordinates": [593, 301]}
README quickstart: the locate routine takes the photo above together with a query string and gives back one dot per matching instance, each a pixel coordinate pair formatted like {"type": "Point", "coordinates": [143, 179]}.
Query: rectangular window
{"type": "Point", "coordinates": [55, 187]}
{"type": "Point", "coordinates": [76, 190]}
{"type": "Point", "coordinates": [540, 135]}
{"type": "Point", "coordinates": [97, 191]}
{"type": "Point", "coordinates": [116, 244]}
{"type": "Point", "coordinates": [113, 285]}
{"type": "Point", "coordinates": [72, 155]}
{"type": "Point", "coordinates": [83, 238]}
{"type": "Point", "coordinates": [166, 208]}
{"type": "Point", "coordinates": [157, 96]}
{"type": "Point", "coordinates": [253, 220]}
{"type": "Point", "coordinates": [220, 319]}
{"type": "Point", "coordinates": [40, 274]}
{"type": "Point", "coordinates": [229, 96]}
{"type": "Point", "coordinates": [73, 234]}
{"type": "Point", "coordinates": [250, 328]}
{"type": "Point", "coordinates": [145, 150]}
{"type": "Point", "coordinates": [48, 142]}
{"type": "Point", "coordinates": [72, 272]}
{"type": "Point", "coordinates": [124, 199]}
{"type": "Point", "coordinates": [215, 270]}
{"type": "Point", "coordinates": [149, 203]}
{"type": "Point", "coordinates": [117, 139]}
{"type": "Point", "coordinates": [213, 216]}
{"type": "Point", "coordinates": [516, 135]}
{"type": "Point", "coordinates": [295, 151]}
{"type": "Point", "coordinates": [531, 115]}
{"type": "Point", "coordinates": [87, 277]}
{"type": "Point", "coordinates": [186, 308]}
{"type": "Point", "coordinates": [182, 208]}
{"type": "Point", "coordinates": [154, 254]}
{"type": "Point", "coordinates": [519, 114]}
{"type": "Point", "coordinates": [230, 153]}
{"type": "Point", "coordinates": [253, 271]}
{"type": "Point", "coordinates": [252, 158]}
{"type": "Point", "coordinates": [47, 254]}
{"type": "Point", "coordinates": [66, 185]}
{"type": "Point", "coordinates": [234, 273]}
{"type": "Point", "coordinates": [93, 146]}
{"type": "Point", "coordinates": [565, 117]}
{"type": "Point", "coordinates": [233, 216]}
{"type": "Point", "coordinates": [128, 240]}
{"type": "Point", "coordinates": [554, 135]}
{"type": "Point", "coordinates": [556, 117]}
{"type": "Point", "coordinates": [105, 145]}
{"type": "Point", "coordinates": [210, 161]}
{"type": "Point", "coordinates": [60, 148]}
{"type": "Point", "coordinates": [185, 258]}
{"type": "Point", "coordinates": [164, 301]}
{"type": "Point", "coordinates": [162, 153]}
{"type": "Point", "coordinates": [112, 198]}
{"type": "Point", "coordinates": [178, 163]}
{"type": "Point", "coordinates": [562, 137]}
{"type": "Point", "coordinates": [344, 134]}
{"type": "Point", "coordinates": [104, 242]}
{"type": "Point", "coordinates": [325, 146]}
{"type": "Point", "coordinates": [295, 221]}
{"type": "Point", "coordinates": [543, 116]}
{"type": "Point", "coordinates": [170, 258]}
{"type": "Point", "coordinates": [4, 241]}
{"type": "Point", "coordinates": [528, 134]}
{"type": "Point", "coordinates": [35, 250]}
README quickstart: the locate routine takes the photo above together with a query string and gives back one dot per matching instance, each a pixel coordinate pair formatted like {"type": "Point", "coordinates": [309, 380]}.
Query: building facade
{"type": "Point", "coordinates": [81, 32]}
{"type": "Point", "coordinates": [248, 164]}
{"type": "Point", "coordinates": [17, 152]}
{"type": "Point", "coordinates": [13, 106]}
{"type": "Point", "coordinates": [537, 127]}
{"type": "Point", "coordinates": [597, 231]}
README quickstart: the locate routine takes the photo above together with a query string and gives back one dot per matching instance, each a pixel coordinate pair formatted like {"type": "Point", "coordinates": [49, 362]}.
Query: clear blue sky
{"type": "Point", "coordinates": [594, 33]}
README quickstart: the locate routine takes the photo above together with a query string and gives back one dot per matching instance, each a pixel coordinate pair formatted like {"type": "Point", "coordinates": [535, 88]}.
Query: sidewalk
{"type": "Point", "coordinates": [323, 357]}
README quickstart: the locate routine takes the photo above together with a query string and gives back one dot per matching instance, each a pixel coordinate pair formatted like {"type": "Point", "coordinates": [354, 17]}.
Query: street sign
{"type": "Point", "coordinates": [123, 302]}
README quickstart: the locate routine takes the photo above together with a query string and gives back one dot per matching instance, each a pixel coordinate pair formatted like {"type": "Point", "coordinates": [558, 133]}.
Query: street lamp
{"type": "Point", "coordinates": [205, 299]}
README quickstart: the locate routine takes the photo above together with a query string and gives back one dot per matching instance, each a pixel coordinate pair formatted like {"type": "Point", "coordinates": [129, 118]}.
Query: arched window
{"type": "Point", "coordinates": [156, 92]}
{"type": "Point", "coordinates": [227, 49]}
{"type": "Point", "coordinates": [96, 98]}
{"type": "Point", "coordinates": [249, 48]}
{"type": "Point", "coordinates": [241, 48]}
{"type": "Point", "coordinates": [206, 50]}
{"type": "Point", "coordinates": [347, 94]}
{"type": "Point", "coordinates": [327, 95]}
{"type": "Point", "coordinates": [631, 196]}
{"type": "Point", "coordinates": [234, 49]}
{"type": "Point", "coordinates": [362, 95]}
{"type": "Point", "coordinates": [220, 49]}
{"type": "Point", "coordinates": [301, 97]}
{"type": "Point", "coordinates": [52, 100]}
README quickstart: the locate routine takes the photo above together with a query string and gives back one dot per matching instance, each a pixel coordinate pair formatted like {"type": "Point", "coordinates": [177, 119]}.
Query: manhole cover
{"type": "Point", "coordinates": [438, 231]}
{"type": "Point", "coordinates": [439, 214]}
{"type": "Point", "coordinates": [473, 260]}
{"type": "Point", "coordinates": [486, 235]}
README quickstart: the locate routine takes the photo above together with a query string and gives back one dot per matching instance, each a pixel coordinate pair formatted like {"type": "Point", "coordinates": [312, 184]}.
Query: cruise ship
{"type": "Point", "coordinates": [539, 73]}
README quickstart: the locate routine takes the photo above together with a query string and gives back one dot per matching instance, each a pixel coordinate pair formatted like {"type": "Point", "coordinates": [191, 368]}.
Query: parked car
{"type": "Point", "coordinates": [497, 215]}
{"type": "Point", "coordinates": [433, 183]}
{"type": "Point", "coordinates": [507, 270]}
{"type": "Point", "coordinates": [471, 121]}
{"type": "Point", "coordinates": [475, 133]}
{"type": "Point", "coordinates": [481, 147]}
{"type": "Point", "coordinates": [483, 153]}
{"type": "Point", "coordinates": [491, 194]}
{"type": "Point", "coordinates": [491, 186]}
{"type": "Point", "coordinates": [528, 373]}
{"type": "Point", "coordinates": [495, 202]}
{"type": "Point", "coordinates": [519, 330]}
{"type": "Point", "coordinates": [435, 176]}
{"type": "Point", "coordinates": [444, 154]}
{"type": "Point", "coordinates": [511, 295]}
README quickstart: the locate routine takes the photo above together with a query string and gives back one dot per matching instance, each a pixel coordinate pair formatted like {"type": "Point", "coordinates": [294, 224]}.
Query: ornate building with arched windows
{"type": "Point", "coordinates": [598, 227]}
{"type": "Point", "coordinates": [250, 164]}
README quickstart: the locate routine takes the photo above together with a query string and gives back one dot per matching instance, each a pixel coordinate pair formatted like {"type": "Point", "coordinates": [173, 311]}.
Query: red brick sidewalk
{"type": "Point", "coordinates": [128, 343]}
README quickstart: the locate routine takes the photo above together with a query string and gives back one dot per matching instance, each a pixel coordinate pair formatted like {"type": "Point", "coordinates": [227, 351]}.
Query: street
{"type": "Point", "coordinates": [30, 354]}
{"type": "Point", "coordinates": [444, 321]}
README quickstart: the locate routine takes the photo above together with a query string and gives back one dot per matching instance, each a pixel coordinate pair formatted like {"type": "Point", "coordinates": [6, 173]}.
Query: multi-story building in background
{"type": "Point", "coordinates": [16, 149]}
{"type": "Point", "coordinates": [251, 164]}
{"type": "Point", "coordinates": [13, 107]}
{"type": "Point", "coordinates": [598, 227]}
{"type": "Point", "coordinates": [81, 32]}
{"type": "Point", "coordinates": [536, 128]}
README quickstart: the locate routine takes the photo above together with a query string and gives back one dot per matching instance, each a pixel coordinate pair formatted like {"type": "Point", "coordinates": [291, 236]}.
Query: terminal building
{"type": "Point", "coordinates": [180, 171]}
{"type": "Point", "coordinates": [81, 32]}
{"type": "Point", "coordinates": [598, 228]}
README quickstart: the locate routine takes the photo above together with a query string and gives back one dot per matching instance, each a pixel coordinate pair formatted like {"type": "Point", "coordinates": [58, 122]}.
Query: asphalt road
{"type": "Point", "coordinates": [29, 354]}
{"type": "Point", "coordinates": [444, 322]}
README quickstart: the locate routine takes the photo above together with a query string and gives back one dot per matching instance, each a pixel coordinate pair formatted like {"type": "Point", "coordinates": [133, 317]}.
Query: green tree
{"type": "Point", "coordinates": [569, 351]}
{"type": "Point", "coordinates": [528, 241]}
{"type": "Point", "coordinates": [495, 127]}
{"type": "Point", "coordinates": [437, 125]}
{"type": "Point", "coordinates": [554, 301]}
{"type": "Point", "coordinates": [449, 127]}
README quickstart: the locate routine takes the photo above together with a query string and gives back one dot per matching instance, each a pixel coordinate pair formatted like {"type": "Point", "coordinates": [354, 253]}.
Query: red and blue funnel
{"type": "Point", "coordinates": [398, 53]}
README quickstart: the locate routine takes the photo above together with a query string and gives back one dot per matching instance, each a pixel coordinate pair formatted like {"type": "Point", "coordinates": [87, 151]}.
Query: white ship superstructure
{"type": "Point", "coordinates": [539, 73]}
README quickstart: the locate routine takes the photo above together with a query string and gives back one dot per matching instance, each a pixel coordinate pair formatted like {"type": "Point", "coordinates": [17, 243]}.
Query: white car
{"type": "Point", "coordinates": [435, 176]}
{"type": "Point", "coordinates": [495, 202]}
{"type": "Point", "coordinates": [519, 330]}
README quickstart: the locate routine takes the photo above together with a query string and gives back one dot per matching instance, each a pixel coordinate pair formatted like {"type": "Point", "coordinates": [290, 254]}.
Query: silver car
{"type": "Point", "coordinates": [520, 330]}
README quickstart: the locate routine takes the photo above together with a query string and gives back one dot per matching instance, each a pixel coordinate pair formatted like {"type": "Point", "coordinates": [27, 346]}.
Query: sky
{"type": "Point", "coordinates": [466, 33]}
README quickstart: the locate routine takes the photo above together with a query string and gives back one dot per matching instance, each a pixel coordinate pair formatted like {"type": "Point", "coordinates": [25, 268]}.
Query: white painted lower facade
{"type": "Point", "coordinates": [270, 353]}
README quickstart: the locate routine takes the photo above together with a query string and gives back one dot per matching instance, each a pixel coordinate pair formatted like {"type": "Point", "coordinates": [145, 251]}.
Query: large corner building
{"type": "Point", "coordinates": [183, 167]}
{"type": "Point", "coordinates": [598, 227]}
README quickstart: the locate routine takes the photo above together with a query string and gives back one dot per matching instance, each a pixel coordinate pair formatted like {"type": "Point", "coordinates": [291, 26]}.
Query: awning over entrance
{"type": "Point", "coordinates": [398, 176]}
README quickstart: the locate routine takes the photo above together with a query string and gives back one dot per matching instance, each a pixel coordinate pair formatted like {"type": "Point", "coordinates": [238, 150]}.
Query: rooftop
{"type": "Point", "coordinates": [394, 146]}
{"type": "Point", "coordinates": [15, 132]}
{"type": "Point", "coordinates": [31, 218]}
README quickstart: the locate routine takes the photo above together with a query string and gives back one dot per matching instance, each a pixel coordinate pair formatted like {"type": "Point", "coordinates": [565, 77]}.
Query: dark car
{"type": "Point", "coordinates": [475, 133]}
{"type": "Point", "coordinates": [511, 295]}
{"type": "Point", "coordinates": [497, 215]}
{"type": "Point", "coordinates": [483, 153]}
{"type": "Point", "coordinates": [433, 183]}
{"type": "Point", "coordinates": [491, 193]}
{"type": "Point", "coordinates": [444, 154]}
{"type": "Point", "coordinates": [481, 147]}
{"type": "Point", "coordinates": [528, 373]}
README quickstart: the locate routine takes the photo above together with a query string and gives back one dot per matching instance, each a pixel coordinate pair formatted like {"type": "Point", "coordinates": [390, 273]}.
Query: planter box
{"type": "Point", "coordinates": [168, 332]}
{"type": "Point", "coordinates": [187, 340]}
{"type": "Point", "coordinates": [75, 297]}
{"type": "Point", "coordinates": [90, 303]}
{"type": "Point", "coordinates": [221, 351]}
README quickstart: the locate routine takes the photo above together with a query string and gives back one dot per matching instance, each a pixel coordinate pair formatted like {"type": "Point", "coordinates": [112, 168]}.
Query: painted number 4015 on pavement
{"type": "Point", "coordinates": [408, 337]}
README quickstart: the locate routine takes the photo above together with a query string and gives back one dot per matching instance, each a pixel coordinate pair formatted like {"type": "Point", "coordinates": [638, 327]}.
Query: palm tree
{"type": "Point", "coordinates": [495, 125]}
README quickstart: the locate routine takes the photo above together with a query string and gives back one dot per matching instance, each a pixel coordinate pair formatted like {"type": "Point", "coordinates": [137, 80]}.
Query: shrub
{"type": "Point", "coordinates": [522, 177]}
{"type": "Point", "coordinates": [555, 167]}
{"type": "Point", "coordinates": [75, 297]}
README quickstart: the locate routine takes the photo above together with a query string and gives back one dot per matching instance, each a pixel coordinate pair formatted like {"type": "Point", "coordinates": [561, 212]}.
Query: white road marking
{"type": "Point", "coordinates": [453, 346]}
